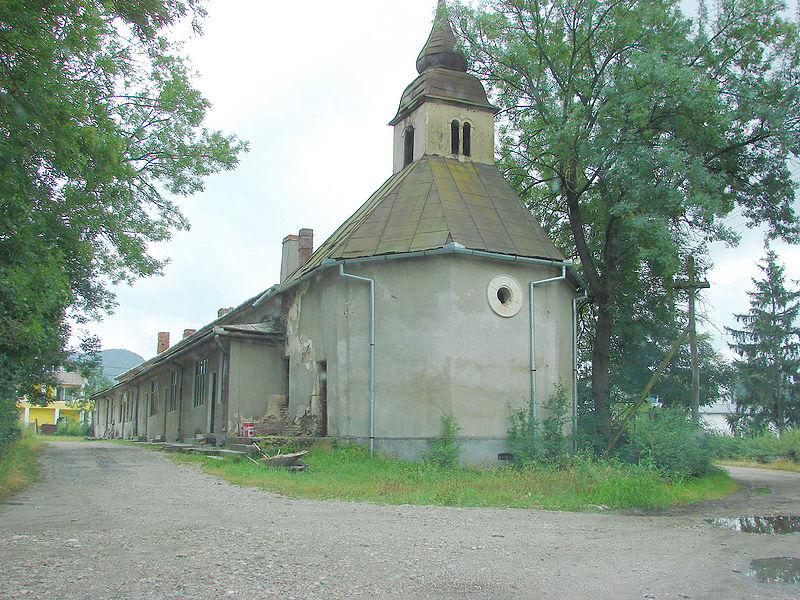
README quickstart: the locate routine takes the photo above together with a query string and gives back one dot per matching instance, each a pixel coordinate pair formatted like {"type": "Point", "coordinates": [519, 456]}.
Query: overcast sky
{"type": "Point", "coordinates": [312, 86]}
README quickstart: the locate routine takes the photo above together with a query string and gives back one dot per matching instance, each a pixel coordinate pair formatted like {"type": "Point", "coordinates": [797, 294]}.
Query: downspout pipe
{"type": "Point", "coordinates": [371, 283]}
{"type": "Point", "coordinates": [575, 302]}
{"type": "Point", "coordinates": [532, 304]}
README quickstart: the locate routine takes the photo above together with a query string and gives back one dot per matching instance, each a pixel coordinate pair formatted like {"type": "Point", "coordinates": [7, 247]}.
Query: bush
{"type": "Point", "coordinates": [9, 425]}
{"type": "Point", "coordinates": [445, 450]}
{"type": "Point", "coordinates": [71, 427]}
{"type": "Point", "coordinates": [531, 442]}
{"type": "Point", "coordinates": [665, 439]}
{"type": "Point", "coordinates": [764, 448]}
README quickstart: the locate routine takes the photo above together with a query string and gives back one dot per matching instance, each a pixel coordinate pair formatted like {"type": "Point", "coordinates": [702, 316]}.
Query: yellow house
{"type": "Point", "coordinates": [68, 389]}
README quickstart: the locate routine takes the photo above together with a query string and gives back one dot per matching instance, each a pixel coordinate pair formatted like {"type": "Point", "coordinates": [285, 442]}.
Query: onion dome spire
{"type": "Point", "coordinates": [440, 49]}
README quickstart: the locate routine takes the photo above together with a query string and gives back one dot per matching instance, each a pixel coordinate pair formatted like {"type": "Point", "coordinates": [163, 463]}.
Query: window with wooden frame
{"type": "Point", "coordinates": [174, 390]}
{"type": "Point", "coordinates": [154, 397]}
{"type": "Point", "coordinates": [200, 375]}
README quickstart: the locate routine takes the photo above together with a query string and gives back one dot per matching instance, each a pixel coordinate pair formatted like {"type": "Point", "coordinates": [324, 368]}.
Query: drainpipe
{"type": "Point", "coordinates": [533, 284]}
{"type": "Point", "coordinates": [575, 301]}
{"type": "Point", "coordinates": [222, 369]}
{"type": "Point", "coordinates": [371, 283]}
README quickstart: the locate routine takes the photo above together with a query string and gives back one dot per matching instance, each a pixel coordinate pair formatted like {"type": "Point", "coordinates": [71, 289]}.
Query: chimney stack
{"type": "Point", "coordinates": [188, 332]}
{"type": "Point", "coordinates": [163, 342]}
{"type": "Point", "coordinates": [296, 251]}
{"type": "Point", "coordinates": [306, 245]}
{"type": "Point", "coordinates": [290, 258]}
{"type": "Point", "coordinates": [224, 311]}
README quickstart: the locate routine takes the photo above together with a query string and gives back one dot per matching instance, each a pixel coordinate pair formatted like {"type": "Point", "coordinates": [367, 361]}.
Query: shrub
{"type": "Point", "coordinates": [9, 425]}
{"type": "Point", "coordinates": [71, 427]}
{"type": "Point", "coordinates": [764, 448]}
{"type": "Point", "coordinates": [444, 451]}
{"type": "Point", "coordinates": [531, 442]}
{"type": "Point", "coordinates": [665, 439]}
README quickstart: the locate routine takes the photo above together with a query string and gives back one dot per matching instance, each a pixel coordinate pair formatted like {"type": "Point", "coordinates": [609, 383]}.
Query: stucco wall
{"type": "Point", "coordinates": [431, 123]}
{"type": "Point", "coordinates": [439, 348]}
{"type": "Point", "coordinates": [256, 373]}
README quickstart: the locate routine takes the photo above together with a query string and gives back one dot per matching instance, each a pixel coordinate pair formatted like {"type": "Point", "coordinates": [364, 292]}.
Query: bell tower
{"type": "Point", "coordinates": [445, 111]}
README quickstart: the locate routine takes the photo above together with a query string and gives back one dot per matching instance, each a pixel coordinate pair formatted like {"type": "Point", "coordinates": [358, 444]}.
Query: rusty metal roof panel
{"type": "Point", "coordinates": [432, 202]}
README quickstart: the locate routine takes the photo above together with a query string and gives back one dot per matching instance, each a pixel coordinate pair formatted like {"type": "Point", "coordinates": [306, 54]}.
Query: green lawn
{"type": "Point", "coordinates": [349, 473]}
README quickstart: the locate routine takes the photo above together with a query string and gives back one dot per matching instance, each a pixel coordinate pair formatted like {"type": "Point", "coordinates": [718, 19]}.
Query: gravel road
{"type": "Point", "coordinates": [111, 521]}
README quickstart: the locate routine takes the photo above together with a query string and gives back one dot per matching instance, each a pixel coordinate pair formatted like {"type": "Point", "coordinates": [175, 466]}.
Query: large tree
{"type": "Point", "coordinates": [768, 345]}
{"type": "Point", "coordinates": [633, 132]}
{"type": "Point", "coordinates": [100, 128]}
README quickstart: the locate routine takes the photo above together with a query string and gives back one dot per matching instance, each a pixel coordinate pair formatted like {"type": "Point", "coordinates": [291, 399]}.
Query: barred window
{"type": "Point", "coordinates": [174, 389]}
{"type": "Point", "coordinates": [200, 371]}
{"type": "Point", "coordinates": [154, 397]}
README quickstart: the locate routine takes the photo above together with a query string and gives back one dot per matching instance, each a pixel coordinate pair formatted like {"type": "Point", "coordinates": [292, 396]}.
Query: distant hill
{"type": "Point", "coordinates": [117, 361]}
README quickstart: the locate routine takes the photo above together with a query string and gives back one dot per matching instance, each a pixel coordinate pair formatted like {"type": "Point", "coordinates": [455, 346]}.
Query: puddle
{"type": "Point", "coordinates": [774, 525]}
{"type": "Point", "coordinates": [780, 569]}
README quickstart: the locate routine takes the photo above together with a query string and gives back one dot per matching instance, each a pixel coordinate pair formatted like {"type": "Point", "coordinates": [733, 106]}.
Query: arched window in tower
{"type": "Point", "coordinates": [467, 139]}
{"type": "Point", "coordinates": [408, 146]}
{"type": "Point", "coordinates": [455, 145]}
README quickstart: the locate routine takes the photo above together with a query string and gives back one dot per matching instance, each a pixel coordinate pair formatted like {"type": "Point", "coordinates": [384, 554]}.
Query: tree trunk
{"type": "Point", "coordinates": [601, 367]}
{"type": "Point", "coordinates": [602, 289]}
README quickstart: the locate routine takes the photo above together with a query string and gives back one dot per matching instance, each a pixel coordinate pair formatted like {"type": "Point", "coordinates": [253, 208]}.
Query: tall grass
{"type": "Point", "coordinates": [349, 473]}
{"type": "Point", "coordinates": [18, 465]}
{"type": "Point", "coordinates": [763, 450]}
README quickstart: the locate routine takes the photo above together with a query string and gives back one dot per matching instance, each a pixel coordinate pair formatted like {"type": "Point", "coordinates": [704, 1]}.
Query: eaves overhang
{"type": "Point", "coordinates": [207, 334]}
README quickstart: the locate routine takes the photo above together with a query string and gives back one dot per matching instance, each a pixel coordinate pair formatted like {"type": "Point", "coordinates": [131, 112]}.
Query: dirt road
{"type": "Point", "coordinates": [109, 521]}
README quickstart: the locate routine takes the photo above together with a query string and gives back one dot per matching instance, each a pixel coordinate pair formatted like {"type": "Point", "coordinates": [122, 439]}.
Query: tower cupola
{"type": "Point", "coordinates": [445, 111]}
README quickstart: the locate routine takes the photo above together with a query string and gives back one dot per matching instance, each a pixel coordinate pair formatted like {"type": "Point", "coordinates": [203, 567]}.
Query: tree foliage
{"type": "Point", "coordinates": [768, 346]}
{"type": "Point", "coordinates": [100, 127]}
{"type": "Point", "coordinates": [633, 132]}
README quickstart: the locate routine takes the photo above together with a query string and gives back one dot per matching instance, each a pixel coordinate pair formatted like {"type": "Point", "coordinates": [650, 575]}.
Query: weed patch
{"type": "Point", "coordinates": [18, 465]}
{"type": "Point", "coordinates": [57, 438]}
{"type": "Point", "coordinates": [349, 473]}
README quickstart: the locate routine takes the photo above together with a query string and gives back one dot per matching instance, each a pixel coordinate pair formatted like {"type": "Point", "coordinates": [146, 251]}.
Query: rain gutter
{"type": "Point", "coordinates": [371, 283]}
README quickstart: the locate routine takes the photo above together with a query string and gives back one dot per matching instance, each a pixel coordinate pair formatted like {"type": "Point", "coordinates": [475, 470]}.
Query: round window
{"type": "Point", "coordinates": [505, 295]}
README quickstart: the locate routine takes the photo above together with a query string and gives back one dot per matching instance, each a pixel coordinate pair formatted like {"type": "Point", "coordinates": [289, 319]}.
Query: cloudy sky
{"type": "Point", "coordinates": [312, 89]}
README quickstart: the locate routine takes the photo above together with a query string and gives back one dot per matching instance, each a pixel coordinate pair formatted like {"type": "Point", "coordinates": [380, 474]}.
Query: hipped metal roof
{"type": "Point", "coordinates": [432, 202]}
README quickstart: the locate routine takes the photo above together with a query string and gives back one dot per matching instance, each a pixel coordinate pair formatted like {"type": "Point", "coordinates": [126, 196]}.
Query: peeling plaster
{"type": "Point", "coordinates": [298, 346]}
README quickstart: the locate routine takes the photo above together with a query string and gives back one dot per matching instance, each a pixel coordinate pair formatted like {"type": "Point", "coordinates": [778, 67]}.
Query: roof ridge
{"type": "Point", "coordinates": [353, 222]}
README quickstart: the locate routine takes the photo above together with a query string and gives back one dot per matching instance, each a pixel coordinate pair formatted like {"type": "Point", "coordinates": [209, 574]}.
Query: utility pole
{"type": "Point", "coordinates": [691, 286]}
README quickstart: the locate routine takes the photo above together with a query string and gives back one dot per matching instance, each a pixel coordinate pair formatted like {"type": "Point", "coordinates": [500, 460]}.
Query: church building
{"type": "Point", "coordinates": [441, 295]}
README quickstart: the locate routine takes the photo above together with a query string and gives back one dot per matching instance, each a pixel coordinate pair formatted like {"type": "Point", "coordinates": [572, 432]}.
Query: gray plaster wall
{"type": "Point", "coordinates": [256, 372]}
{"type": "Point", "coordinates": [439, 349]}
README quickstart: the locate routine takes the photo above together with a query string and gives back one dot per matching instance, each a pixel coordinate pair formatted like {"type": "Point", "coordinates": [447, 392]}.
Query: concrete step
{"type": "Point", "coordinates": [246, 448]}
{"type": "Point", "coordinates": [216, 452]}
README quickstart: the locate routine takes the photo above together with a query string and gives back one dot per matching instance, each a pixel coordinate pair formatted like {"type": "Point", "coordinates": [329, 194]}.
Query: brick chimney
{"type": "Point", "coordinates": [188, 332]}
{"type": "Point", "coordinates": [224, 311]}
{"type": "Point", "coordinates": [163, 342]}
{"type": "Point", "coordinates": [296, 251]}
{"type": "Point", "coordinates": [306, 245]}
